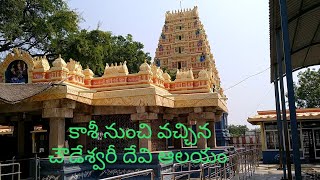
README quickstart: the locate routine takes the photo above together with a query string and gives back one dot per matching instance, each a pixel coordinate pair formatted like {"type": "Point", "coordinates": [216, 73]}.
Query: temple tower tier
{"type": "Point", "coordinates": [183, 44]}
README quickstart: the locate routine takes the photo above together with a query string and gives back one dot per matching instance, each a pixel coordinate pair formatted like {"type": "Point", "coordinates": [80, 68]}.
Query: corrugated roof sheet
{"type": "Point", "coordinates": [304, 32]}
{"type": "Point", "coordinates": [14, 93]}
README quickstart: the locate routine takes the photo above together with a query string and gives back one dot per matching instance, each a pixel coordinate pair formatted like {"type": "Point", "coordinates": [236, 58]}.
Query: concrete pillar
{"type": "Point", "coordinates": [57, 133]}
{"type": "Point", "coordinates": [263, 138]}
{"type": "Point", "coordinates": [202, 142]}
{"type": "Point", "coordinates": [212, 139]}
{"type": "Point", "coordinates": [145, 143]}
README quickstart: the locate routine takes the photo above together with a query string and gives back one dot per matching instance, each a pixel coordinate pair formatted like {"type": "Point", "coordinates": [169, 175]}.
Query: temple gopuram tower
{"type": "Point", "coordinates": [183, 44]}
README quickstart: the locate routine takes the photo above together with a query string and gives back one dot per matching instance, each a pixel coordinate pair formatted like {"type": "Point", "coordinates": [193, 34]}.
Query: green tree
{"type": "Point", "coordinates": [35, 25]}
{"type": "Point", "coordinates": [125, 49]}
{"type": "Point", "coordinates": [49, 27]}
{"type": "Point", "coordinates": [307, 90]}
{"type": "Point", "coordinates": [96, 48]}
{"type": "Point", "coordinates": [237, 130]}
{"type": "Point", "coordinates": [90, 48]}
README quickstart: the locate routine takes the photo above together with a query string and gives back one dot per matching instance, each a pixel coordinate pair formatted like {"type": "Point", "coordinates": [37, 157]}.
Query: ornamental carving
{"type": "Point", "coordinates": [116, 70]}
{"type": "Point", "coordinates": [41, 64]}
{"type": "Point", "coordinates": [17, 55]}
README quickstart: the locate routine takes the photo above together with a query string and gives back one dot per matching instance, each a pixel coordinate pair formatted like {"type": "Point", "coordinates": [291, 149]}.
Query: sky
{"type": "Point", "coordinates": [238, 33]}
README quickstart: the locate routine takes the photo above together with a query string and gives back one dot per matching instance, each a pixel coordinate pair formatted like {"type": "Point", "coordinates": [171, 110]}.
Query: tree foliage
{"type": "Point", "coordinates": [49, 27]}
{"type": "Point", "coordinates": [35, 25]}
{"type": "Point", "coordinates": [307, 90]}
{"type": "Point", "coordinates": [171, 73]}
{"type": "Point", "coordinates": [238, 130]}
{"type": "Point", "coordinates": [96, 48]}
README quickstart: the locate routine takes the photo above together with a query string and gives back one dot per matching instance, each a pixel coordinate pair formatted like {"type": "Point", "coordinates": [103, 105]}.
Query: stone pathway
{"type": "Point", "coordinates": [267, 172]}
{"type": "Point", "coordinates": [270, 172]}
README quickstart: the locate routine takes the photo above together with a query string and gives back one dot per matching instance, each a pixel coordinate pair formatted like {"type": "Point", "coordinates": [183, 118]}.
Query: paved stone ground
{"type": "Point", "coordinates": [270, 172]}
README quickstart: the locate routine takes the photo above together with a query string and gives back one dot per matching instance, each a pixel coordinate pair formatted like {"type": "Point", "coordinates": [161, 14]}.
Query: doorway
{"type": "Point", "coordinates": [316, 133]}
{"type": "Point", "coordinates": [308, 144]}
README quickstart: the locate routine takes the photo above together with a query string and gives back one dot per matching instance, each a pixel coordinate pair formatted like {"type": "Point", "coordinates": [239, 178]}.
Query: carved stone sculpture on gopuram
{"type": "Point", "coordinates": [183, 44]}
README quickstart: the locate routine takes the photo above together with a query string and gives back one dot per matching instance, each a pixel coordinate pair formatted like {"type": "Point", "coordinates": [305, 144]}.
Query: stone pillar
{"type": "Point", "coordinates": [83, 137]}
{"type": "Point", "coordinates": [56, 111]}
{"type": "Point", "coordinates": [57, 133]}
{"type": "Point", "coordinates": [202, 142]}
{"type": "Point", "coordinates": [212, 139]}
{"type": "Point", "coordinates": [145, 143]}
{"type": "Point", "coordinates": [263, 137]}
{"type": "Point", "coordinates": [203, 116]}
{"type": "Point", "coordinates": [143, 116]}
{"type": "Point", "coordinates": [82, 120]}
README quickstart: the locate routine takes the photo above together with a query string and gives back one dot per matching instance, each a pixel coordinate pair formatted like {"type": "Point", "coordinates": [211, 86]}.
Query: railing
{"type": "Point", "coordinates": [242, 165]}
{"type": "Point", "coordinates": [10, 174]}
{"type": "Point", "coordinates": [26, 162]}
{"type": "Point", "coordinates": [179, 174]}
{"type": "Point", "coordinates": [183, 173]}
{"type": "Point", "coordinates": [134, 174]}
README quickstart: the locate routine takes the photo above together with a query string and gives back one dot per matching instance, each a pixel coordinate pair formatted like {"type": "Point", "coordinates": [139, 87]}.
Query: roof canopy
{"type": "Point", "coordinates": [271, 116]}
{"type": "Point", "coordinates": [304, 32]}
{"type": "Point", "coordinates": [14, 93]}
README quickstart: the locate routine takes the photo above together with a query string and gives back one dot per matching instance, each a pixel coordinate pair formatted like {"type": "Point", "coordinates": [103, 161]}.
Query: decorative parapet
{"type": "Point", "coordinates": [75, 74]}
{"type": "Point", "coordinates": [41, 67]}
{"type": "Point", "coordinates": [59, 71]}
{"type": "Point", "coordinates": [157, 76]}
{"type": "Point", "coordinates": [167, 80]}
{"type": "Point", "coordinates": [116, 70]}
{"type": "Point", "coordinates": [185, 12]}
{"type": "Point", "coordinates": [115, 76]}
{"type": "Point", "coordinates": [185, 82]}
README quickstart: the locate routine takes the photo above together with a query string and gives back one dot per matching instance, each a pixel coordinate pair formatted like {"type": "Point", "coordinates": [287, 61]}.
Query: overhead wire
{"type": "Point", "coordinates": [246, 79]}
{"type": "Point", "coordinates": [261, 100]}
{"type": "Point", "coordinates": [260, 72]}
